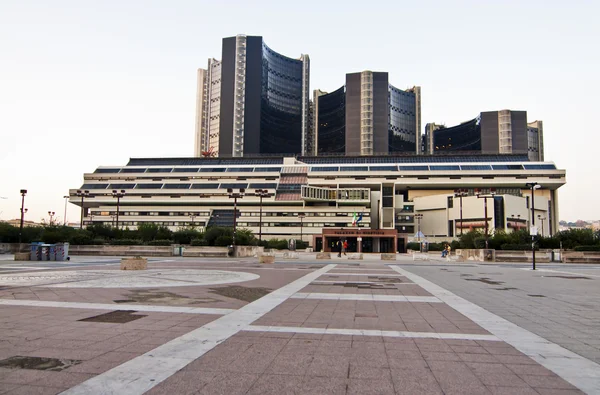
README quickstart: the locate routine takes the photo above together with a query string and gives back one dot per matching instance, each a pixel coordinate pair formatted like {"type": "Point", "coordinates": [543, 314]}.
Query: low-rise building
{"type": "Point", "coordinates": [304, 196]}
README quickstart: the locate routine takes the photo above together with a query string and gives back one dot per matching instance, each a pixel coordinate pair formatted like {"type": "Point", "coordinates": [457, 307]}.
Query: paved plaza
{"type": "Point", "coordinates": [299, 326]}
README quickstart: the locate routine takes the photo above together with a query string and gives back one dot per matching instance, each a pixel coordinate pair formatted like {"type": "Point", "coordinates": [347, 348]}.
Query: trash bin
{"type": "Point", "coordinates": [556, 256]}
{"type": "Point", "coordinates": [62, 251]}
{"type": "Point", "coordinates": [52, 252]}
{"type": "Point", "coordinates": [35, 251]}
{"type": "Point", "coordinates": [230, 250]}
{"type": "Point", "coordinates": [45, 252]}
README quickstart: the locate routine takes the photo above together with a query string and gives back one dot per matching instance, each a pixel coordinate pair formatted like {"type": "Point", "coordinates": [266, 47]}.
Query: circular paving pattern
{"type": "Point", "coordinates": [126, 279]}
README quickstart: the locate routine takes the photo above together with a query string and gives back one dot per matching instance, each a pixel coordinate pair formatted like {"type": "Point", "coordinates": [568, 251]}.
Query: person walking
{"type": "Point", "coordinates": [339, 248]}
{"type": "Point", "coordinates": [345, 246]}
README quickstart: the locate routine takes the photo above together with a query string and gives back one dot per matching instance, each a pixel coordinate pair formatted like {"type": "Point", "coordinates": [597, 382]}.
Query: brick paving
{"type": "Point", "coordinates": [270, 362]}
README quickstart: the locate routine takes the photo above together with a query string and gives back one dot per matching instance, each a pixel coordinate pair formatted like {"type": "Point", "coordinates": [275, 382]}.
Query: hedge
{"type": "Point", "coordinates": [587, 248]}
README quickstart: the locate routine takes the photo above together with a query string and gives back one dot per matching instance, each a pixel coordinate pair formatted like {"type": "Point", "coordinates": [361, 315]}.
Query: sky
{"type": "Point", "coordinates": [93, 83]}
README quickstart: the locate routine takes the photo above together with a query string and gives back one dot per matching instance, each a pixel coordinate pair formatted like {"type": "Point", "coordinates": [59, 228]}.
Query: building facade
{"type": "Point", "coordinates": [254, 101]}
{"type": "Point", "coordinates": [491, 132]}
{"type": "Point", "coordinates": [368, 116]}
{"type": "Point", "coordinates": [311, 196]}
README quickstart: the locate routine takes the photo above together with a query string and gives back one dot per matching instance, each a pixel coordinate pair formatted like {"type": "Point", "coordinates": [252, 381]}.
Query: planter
{"type": "Point", "coordinates": [388, 257]}
{"type": "Point", "coordinates": [323, 255]}
{"type": "Point", "coordinates": [22, 256]}
{"type": "Point", "coordinates": [134, 263]}
{"type": "Point", "coordinates": [266, 259]}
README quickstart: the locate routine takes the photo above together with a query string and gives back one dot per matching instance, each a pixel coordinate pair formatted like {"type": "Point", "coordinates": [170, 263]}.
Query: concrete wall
{"type": "Point", "coordinates": [106, 250]}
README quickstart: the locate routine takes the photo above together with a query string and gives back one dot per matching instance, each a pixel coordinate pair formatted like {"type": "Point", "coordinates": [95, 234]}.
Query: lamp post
{"type": "Point", "coordinates": [532, 230]}
{"type": "Point", "coordinates": [192, 216]}
{"type": "Point", "coordinates": [485, 212]}
{"type": "Point", "coordinates": [419, 217]}
{"type": "Point", "coordinates": [66, 197]}
{"type": "Point", "coordinates": [51, 215]}
{"type": "Point", "coordinates": [91, 218]}
{"type": "Point", "coordinates": [118, 195]}
{"type": "Point", "coordinates": [542, 221]}
{"type": "Point", "coordinates": [261, 193]}
{"type": "Point", "coordinates": [23, 211]}
{"type": "Point", "coordinates": [82, 194]}
{"type": "Point", "coordinates": [235, 196]}
{"type": "Point", "coordinates": [301, 216]}
{"type": "Point", "coordinates": [460, 193]}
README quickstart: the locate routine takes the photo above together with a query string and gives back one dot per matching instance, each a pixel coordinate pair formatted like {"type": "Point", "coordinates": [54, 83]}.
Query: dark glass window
{"type": "Point", "coordinates": [212, 170]}
{"type": "Point", "coordinates": [234, 185]}
{"type": "Point", "coordinates": [324, 168]}
{"type": "Point", "coordinates": [160, 170]}
{"type": "Point", "coordinates": [444, 167]}
{"type": "Point", "coordinates": [476, 167]}
{"type": "Point", "coordinates": [402, 121]}
{"type": "Point", "coordinates": [546, 166]}
{"type": "Point", "coordinates": [383, 168]}
{"type": "Point", "coordinates": [148, 186]}
{"type": "Point", "coordinates": [267, 169]}
{"type": "Point", "coordinates": [464, 137]}
{"type": "Point", "coordinates": [94, 186]}
{"type": "Point", "coordinates": [121, 186]}
{"type": "Point", "coordinates": [413, 168]}
{"type": "Point", "coordinates": [332, 122]}
{"type": "Point", "coordinates": [263, 185]}
{"type": "Point", "coordinates": [354, 168]}
{"type": "Point", "coordinates": [205, 186]}
{"type": "Point", "coordinates": [176, 186]}
{"type": "Point", "coordinates": [185, 170]}
{"type": "Point", "coordinates": [107, 170]}
{"type": "Point", "coordinates": [130, 170]}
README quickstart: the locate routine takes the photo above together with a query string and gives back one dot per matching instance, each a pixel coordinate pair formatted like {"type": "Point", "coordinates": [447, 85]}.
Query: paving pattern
{"type": "Point", "coordinates": [319, 329]}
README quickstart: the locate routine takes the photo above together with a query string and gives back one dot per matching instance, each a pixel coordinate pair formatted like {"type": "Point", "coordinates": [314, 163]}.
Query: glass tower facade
{"type": "Point", "coordinates": [331, 137]}
{"type": "Point", "coordinates": [464, 137]}
{"type": "Point", "coordinates": [403, 134]}
{"type": "Point", "coordinates": [281, 103]}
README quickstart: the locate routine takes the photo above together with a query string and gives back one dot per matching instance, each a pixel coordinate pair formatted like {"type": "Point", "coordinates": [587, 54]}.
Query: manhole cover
{"type": "Point", "coordinates": [246, 294]}
{"type": "Point", "coordinates": [38, 363]}
{"type": "Point", "coordinates": [126, 279]}
{"type": "Point", "coordinates": [572, 277]}
{"type": "Point", "coordinates": [115, 317]}
{"type": "Point", "coordinates": [485, 280]}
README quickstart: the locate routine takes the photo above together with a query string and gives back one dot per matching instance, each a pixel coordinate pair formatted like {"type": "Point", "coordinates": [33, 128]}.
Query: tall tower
{"type": "Point", "coordinates": [264, 106]}
{"type": "Point", "coordinates": [208, 98]}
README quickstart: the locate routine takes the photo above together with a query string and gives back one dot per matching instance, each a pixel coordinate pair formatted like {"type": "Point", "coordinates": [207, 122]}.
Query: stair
{"type": "Point", "coordinates": [222, 218]}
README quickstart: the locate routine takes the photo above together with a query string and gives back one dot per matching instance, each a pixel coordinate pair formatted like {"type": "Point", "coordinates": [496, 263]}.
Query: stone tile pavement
{"type": "Point", "coordinates": [281, 343]}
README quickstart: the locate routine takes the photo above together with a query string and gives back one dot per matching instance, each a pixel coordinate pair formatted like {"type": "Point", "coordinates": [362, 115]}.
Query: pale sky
{"type": "Point", "coordinates": [92, 83]}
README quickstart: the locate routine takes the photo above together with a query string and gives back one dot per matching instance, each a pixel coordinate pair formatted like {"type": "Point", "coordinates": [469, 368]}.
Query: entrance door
{"type": "Point", "coordinates": [386, 245]}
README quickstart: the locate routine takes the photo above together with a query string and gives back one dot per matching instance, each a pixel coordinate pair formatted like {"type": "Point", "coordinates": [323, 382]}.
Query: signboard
{"type": "Point", "coordinates": [533, 230]}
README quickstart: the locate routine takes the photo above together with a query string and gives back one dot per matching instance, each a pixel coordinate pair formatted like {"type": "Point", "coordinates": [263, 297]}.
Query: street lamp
{"type": "Point", "coordinates": [532, 231]}
{"type": "Point", "coordinates": [460, 193]}
{"type": "Point", "coordinates": [485, 198]}
{"type": "Point", "coordinates": [23, 211]}
{"type": "Point", "coordinates": [235, 196]}
{"type": "Point", "coordinates": [419, 217]}
{"type": "Point", "coordinates": [118, 195]}
{"type": "Point", "coordinates": [51, 215]}
{"type": "Point", "coordinates": [82, 194]}
{"type": "Point", "coordinates": [301, 216]}
{"type": "Point", "coordinates": [192, 216]}
{"type": "Point", "coordinates": [542, 220]}
{"type": "Point", "coordinates": [66, 197]}
{"type": "Point", "coordinates": [261, 193]}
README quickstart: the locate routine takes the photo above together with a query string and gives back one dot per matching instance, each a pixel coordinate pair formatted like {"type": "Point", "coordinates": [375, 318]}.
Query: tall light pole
{"type": "Point", "coordinates": [532, 231]}
{"type": "Point", "coordinates": [66, 197]}
{"type": "Point", "coordinates": [419, 217]}
{"type": "Point", "coordinates": [485, 211]}
{"type": "Point", "coordinates": [542, 220]}
{"type": "Point", "coordinates": [192, 216]}
{"type": "Point", "coordinates": [235, 196]}
{"type": "Point", "coordinates": [261, 193]}
{"type": "Point", "coordinates": [301, 216]}
{"type": "Point", "coordinates": [460, 193]}
{"type": "Point", "coordinates": [118, 195]}
{"type": "Point", "coordinates": [51, 215]}
{"type": "Point", "coordinates": [23, 193]}
{"type": "Point", "coordinates": [82, 194]}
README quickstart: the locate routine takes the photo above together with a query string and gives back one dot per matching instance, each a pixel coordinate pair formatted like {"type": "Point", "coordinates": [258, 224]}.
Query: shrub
{"type": "Point", "coordinates": [587, 248]}
{"type": "Point", "coordinates": [160, 242]}
{"type": "Point", "coordinates": [98, 241]}
{"type": "Point", "coordinates": [126, 242]}
{"type": "Point", "coordinates": [185, 236]}
{"type": "Point", "coordinates": [223, 240]}
{"type": "Point", "coordinates": [413, 246]}
{"type": "Point", "coordinates": [278, 244]}
{"type": "Point", "coordinates": [198, 242]}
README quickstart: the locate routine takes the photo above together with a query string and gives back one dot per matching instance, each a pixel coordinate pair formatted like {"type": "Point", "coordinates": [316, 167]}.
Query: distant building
{"type": "Point", "coordinates": [367, 116]}
{"type": "Point", "coordinates": [491, 132]}
{"type": "Point", "coordinates": [254, 101]}
{"type": "Point", "coordinates": [535, 141]}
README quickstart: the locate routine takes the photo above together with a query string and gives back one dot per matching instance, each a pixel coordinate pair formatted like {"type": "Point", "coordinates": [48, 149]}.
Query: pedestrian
{"type": "Point", "coordinates": [345, 245]}
{"type": "Point", "coordinates": [445, 251]}
{"type": "Point", "coordinates": [339, 248]}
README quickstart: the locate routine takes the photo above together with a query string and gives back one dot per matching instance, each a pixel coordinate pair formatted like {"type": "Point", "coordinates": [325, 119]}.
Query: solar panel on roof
{"type": "Point", "coordinates": [205, 186]}
{"type": "Point", "coordinates": [176, 186]}
{"type": "Point", "coordinates": [444, 167]}
{"type": "Point", "coordinates": [413, 168]}
{"type": "Point", "coordinates": [94, 186]}
{"type": "Point", "coordinates": [107, 170]}
{"type": "Point", "coordinates": [476, 167]}
{"type": "Point", "coordinates": [546, 166]}
{"type": "Point", "coordinates": [121, 186]}
{"type": "Point", "coordinates": [148, 186]}
{"type": "Point", "coordinates": [130, 170]}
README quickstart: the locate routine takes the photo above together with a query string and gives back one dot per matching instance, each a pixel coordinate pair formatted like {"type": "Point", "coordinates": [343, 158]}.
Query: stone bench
{"type": "Point", "coordinates": [355, 256]}
{"type": "Point", "coordinates": [22, 256]}
{"type": "Point", "coordinates": [134, 263]}
{"type": "Point", "coordinates": [291, 255]}
{"type": "Point", "coordinates": [388, 257]}
{"type": "Point", "coordinates": [266, 259]}
{"type": "Point", "coordinates": [419, 256]}
{"type": "Point", "coordinates": [323, 255]}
